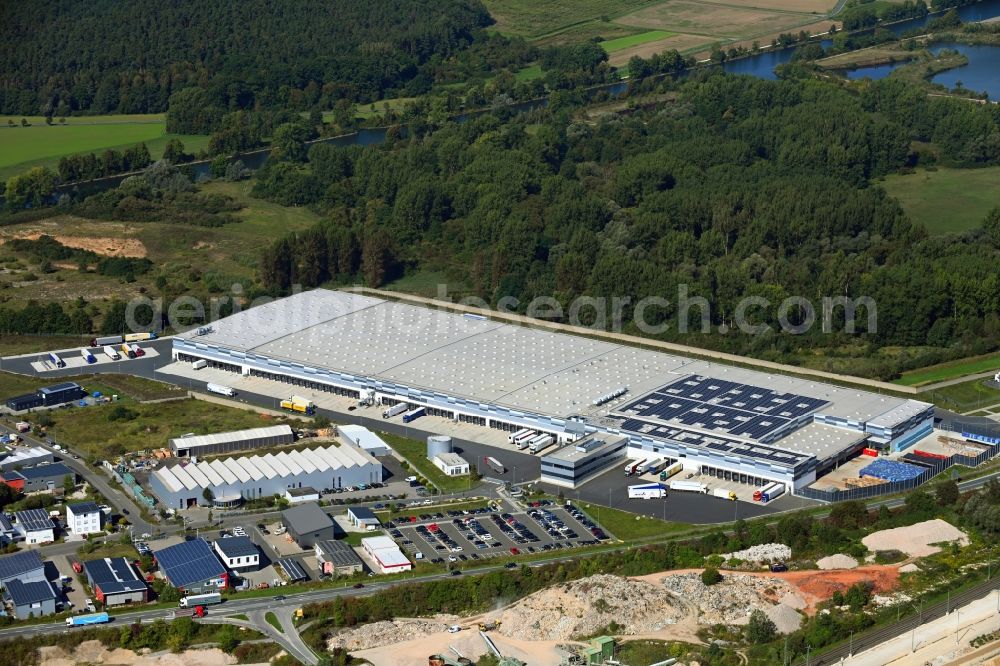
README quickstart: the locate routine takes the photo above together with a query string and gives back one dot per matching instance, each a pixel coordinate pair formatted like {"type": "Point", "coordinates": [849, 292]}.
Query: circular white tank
{"type": "Point", "coordinates": [438, 444]}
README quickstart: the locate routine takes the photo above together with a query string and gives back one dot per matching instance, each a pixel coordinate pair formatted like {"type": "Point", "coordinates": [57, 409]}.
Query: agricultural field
{"type": "Point", "coordinates": [42, 145]}
{"type": "Point", "coordinates": [685, 44]}
{"type": "Point", "coordinates": [535, 19]}
{"type": "Point", "coordinates": [720, 21]}
{"type": "Point", "coordinates": [620, 43]}
{"type": "Point", "coordinates": [946, 200]}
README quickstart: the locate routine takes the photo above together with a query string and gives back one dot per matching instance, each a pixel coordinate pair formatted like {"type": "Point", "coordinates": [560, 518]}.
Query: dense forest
{"type": "Point", "coordinates": [103, 56]}
{"type": "Point", "coordinates": [740, 187]}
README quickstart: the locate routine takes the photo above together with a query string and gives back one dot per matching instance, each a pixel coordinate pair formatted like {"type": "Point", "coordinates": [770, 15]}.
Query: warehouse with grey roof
{"type": "Point", "coordinates": [509, 377]}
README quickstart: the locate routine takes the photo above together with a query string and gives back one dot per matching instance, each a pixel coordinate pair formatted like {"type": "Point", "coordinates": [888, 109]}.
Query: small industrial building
{"type": "Point", "coordinates": [307, 524]}
{"type": "Point", "coordinates": [574, 463]}
{"type": "Point", "coordinates": [238, 553]}
{"type": "Point", "coordinates": [451, 464]}
{"type": "Point", "coordinates": [26, 566]}
{"type": "Point", "coordinates": [115, 582]}
{"type": "Point", "coordinates": [28, 600]}
{"type": "Point", "coordinates": [24, 457]}
{"type": "Point", "coordinates": [386, 554]}
{"type": "Point", "coordinates": [35, 526]}
{"type": "Point", "coordinates": [299, 495]}
{"type": "Point", "coordinates": [231, 442]}
{"type": "Point", "coordinates": [7, 532]}
{"type": "Point", "coordinates": [38, 478]}
{"type": "Point", "coordinates": [83, 518]}
{"type": "Point", "coordinates": [20, 403]}
{"type": "Point", "coordinates": [336, 558]}
{"type": "Point", "coordinates": [232, 480]}
{"type": "Point", "coordinates": [61, 393]}
{"type": "Point", "coordinates": [362, 517]}
{"type": "Point", "coordinates": [364, 439]}
{"type": "Point", "coordinates": [192, 567]}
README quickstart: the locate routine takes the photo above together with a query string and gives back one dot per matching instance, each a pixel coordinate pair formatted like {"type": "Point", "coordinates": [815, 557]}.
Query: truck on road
{"type": "Point", "coordinates": [647, 491]}
{"type": "Point", "coordinates": [84, 620]}
{"type": "Point", "coordinates": [299, 405]}
{"type": "Point", "coordinates": [398, 408]}
{"type": "Point", "coordinates": [110, 352]}
{"type": "Point", "coordinates": [87, 356]}
{"type": "Point", "coordinates": [196, 611]}
{"type": "Point", "coordinates": [689, 486]}
{"type": "Point", "coordinates": [207, 599]}
{"type": "Point", "coordinates": [495, 465]}
{"type": "Point", "coordinates": [220, 389]}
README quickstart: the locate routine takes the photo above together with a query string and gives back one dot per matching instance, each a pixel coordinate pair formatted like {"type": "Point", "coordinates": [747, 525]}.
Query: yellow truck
{"type": "Point", "coordinates": [299, 405]}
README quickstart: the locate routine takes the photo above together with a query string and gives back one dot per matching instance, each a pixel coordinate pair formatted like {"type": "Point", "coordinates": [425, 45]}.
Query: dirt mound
{"type": "Point", "coordinates": [837, 562]}
{"type": "Point", "coordinates": [587, 606]}
{"type": "Point", "coordinates": [94, 652]}
{"type": "Point", "coordinates": [822, 585]}
{"type": "Point", "coordinates": [728, 602]}
{"type": "Point", "coordinates": [915, 540]}
{"type": "Point", "coordinates": [785, 618]}
{"type": "Point", "coordinates": [389, 632]}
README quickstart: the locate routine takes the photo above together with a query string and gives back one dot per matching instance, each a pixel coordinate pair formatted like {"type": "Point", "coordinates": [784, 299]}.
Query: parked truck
{"type": "Point", "coordinates": [87, 356]}
{"type": "Point", "coordinates": [413, 414]}
{"type": "Point", "coordinates": [220, 389]}
{"type": "Point", "coordinates": [58, 362]}
{"type": "Point", "coordinates": [540, 443]}
{"type": "Point", "coordinates": [199, 364]}
{"type": "Point", "coordinates": [495, 465]}
{"type": "Point", "coordinates": [647, 491]}
{"type": "Point", "coordinates": [22, 426]}
{"type": "Point", "coordinates": [398, 408]}
{"type": "Point", "coordinates": [671, 469]}
{"type": "Point", "coordinates": [689, 486]}
{"type": "Point", "coordinates": [139, 337]}
{"type": "Point", "coordinates": [769, 492]}
{"type": "Point", "coordinates": [126, 350]}
{"type": "Point", "coordinates": [654, 466]}
{"type": "Point", "coordinates": [136, 349]}
{"type": "Point", "coordinates": [85, 620]}
{"type": "Point", "coordinates": [106, 340]}
{"type": "Point", "coordinates": [207, 599]}
{"type": "Point", "coordinates": [299, 405]}
{"type": "Point", "coordinates": [110, 352]}
{"type": "Point", "coordinates": [724, 494]}
{"type": "Point", "coordinates": [631, 466]}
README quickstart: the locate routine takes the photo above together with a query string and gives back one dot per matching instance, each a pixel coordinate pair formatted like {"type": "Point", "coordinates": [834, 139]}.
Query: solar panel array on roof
{"type": "Point", "coordinates": [114, 575]}
{"type": "Point", "coordinates": [34, 520]}
{"type": "Point", "coordinates": [24, 594]}
{"type": "Point", "coordinates": [292, 569]}
{"type": "Point", "coordinates": [236, 546]}
{"type": "Point", "coordinates": [189, 562]}
{"type": "Point", "coordinates": [18, 564]}
{"type": "Point", "coordinates": [722, 406]}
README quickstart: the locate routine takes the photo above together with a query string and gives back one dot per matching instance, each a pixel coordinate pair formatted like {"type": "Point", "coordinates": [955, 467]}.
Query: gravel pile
{"type": "Point", "coordinates": [915, 540]}
{"type": "Point", "coordinates": [767, 552]}
{"type": "Point", "coordinates": [909, 568]}
{"type": "Point", "coordinates": [585, 607]}
{"type": "Point", "coordinates": [785, 618]}
{"type": "Point", "coordinates": [837, 562]}
{"type": "Point", "coordinates": [728, 602]}
{"type": "Point", "coordinates": [387, 632]}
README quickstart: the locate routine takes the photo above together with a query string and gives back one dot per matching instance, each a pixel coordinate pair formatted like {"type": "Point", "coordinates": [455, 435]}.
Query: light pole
{"type": "Point", "coordinates": [808, 650]}
{"type": "Point", "coordinates": [850, 647]}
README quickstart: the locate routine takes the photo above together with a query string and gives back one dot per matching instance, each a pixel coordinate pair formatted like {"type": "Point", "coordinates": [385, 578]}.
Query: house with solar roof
{"type": "Point", "coordinates": [192, 567]}
{"type": "Point", "coordinates": [115, 582]}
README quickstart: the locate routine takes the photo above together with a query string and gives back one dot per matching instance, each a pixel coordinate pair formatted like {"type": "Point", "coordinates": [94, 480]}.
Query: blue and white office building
{"type": "Point", "coordinates": [719, 419]}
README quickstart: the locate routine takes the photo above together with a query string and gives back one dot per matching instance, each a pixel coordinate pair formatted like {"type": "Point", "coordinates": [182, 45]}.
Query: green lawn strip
{"type": "Point", "coordinates": [24, 144]}
{"type": "Point", "coordinates": [354, 538]}
{"type": "Point", "coordinates": [964, 396]}
{"type": "Point", "coordinates": [950, 370]}
{"type": "Point", "coordinates": [529, 73]}
{"type": "Point", "coordinates": [946, 200]}
{"type": "Point", "coordinates": [272, 620]}
{"type": "Point", "coordinates": [240, 616]}
{"type": "Point", "coordinates": [620, 43]}
{"type": "Point", "coordinates": [415, 453]}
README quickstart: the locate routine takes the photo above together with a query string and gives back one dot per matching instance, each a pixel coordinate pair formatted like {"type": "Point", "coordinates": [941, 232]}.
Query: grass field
{"type": "Point", "coordinates": [723, 21]}
{"type": "Point", "coordinates": [964, 397]}
{"type": "Point", "coordinates": [90, 431]}
{"type": "Point", "coordinates": [947, 200]}
{"type": "Point", "coordinates": [42, 145]}
{"type": "Point", "coordinates": [13, 345]}
{"type": "Point", "coordinates": [629, 526]}
{"type": "Point", "coordinates": [529, 73]}
{"type": "Point", "coordinates": [416, 454]}
{"type": "Point", "coordinates": [950, 370]}
{"type": "Point", "coordinates": [534, 19]}
{"type": "Point", "coordinates": [620, 43]}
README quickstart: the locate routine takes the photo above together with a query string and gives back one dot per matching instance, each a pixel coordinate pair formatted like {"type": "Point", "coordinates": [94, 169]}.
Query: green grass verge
{"type": "Point", "coordinates": [964, 396]}
{"type": "Point", "coordinates": [416, 454]}
{"type": "Point", "coordinates": [629, 526]}
{"type": "Point", "coordinates": [950, 370]}
{"type": "Point", "coordinates": [272, 620]}
{"type": "Point", "coordinates": [946, 200]}
{"type": "Point", "coordinates": [14, 345]}
{"type": "Point", "coordinates": [620, 43]}
{"type": "Point", "coordinates": [240, 616]}
{"type": "Point", "coordinates": [354, 538]}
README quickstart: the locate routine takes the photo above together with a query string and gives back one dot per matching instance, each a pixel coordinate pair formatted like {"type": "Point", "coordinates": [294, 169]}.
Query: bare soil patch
{"type": "Point", "coordinates": [94, 652]}
{"type": "Point", "coordinates": [111, 247]}
{"type": "Point", "coordinates": [707, 19]}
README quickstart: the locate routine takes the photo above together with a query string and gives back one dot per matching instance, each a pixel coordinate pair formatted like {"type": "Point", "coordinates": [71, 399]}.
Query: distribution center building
{"type": "Point", "coordinates": [232, 480]}
{"type": "Point", "coordinates": [574, 463]}
{"type": "Point", "coordinates": [718, 419]}
{"type": "Point", "coordinates": [231, 442]}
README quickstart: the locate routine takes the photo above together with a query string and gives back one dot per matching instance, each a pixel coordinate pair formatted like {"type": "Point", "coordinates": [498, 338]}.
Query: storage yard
{"type": "Point", "coordinates": [741, 429]}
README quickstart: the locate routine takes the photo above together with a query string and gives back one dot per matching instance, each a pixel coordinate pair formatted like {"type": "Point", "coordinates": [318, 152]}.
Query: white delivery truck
{"type": "Point", "coordinates": [398, 408]}
{"type": "Point", "coordinates": [540, 443]}
{"type": "Point", "coordinates": [111, 353]}
{"type": "Point", "coordinates": [220, 389]}
{"type": "Point", "coordinates": [724, 494]}
{"type": "Point", "coordinates": [689, 486]}
{"type": "Point", "coordinates": [647, 491]}
{"type": "Point", "coordinates": [199, 364]}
